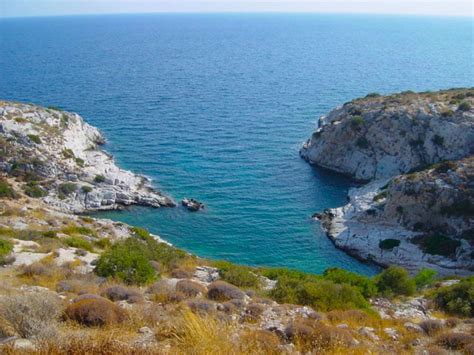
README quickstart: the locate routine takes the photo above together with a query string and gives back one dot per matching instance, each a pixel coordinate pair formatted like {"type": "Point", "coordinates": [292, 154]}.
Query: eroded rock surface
{"type": "Point", "coordinates": [58, 157]}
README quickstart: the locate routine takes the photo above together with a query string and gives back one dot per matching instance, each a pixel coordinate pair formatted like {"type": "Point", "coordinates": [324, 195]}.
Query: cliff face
{"type": "Point", "coordinates": [420, 219]}
{"type": "Point", "coordinates": [56, 156]}
{"type": "Point", "coordinates": [383, 136]}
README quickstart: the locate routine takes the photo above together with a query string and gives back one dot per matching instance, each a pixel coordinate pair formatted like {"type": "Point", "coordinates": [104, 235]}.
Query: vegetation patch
{"type": "Point", "coordinates": [34, 138]}
{"type": "Point", "coordinates": [126, 261]}
{"type": "Point", "coordinates": [362, 143]}
{"type": "Point", "coordinates": [457, 299]}
{"type": "Point", "coordinates": [437, 244]}
{"type": "Point", "coordinates": [238, 275]}
{"type": "Point", "coordinates": [6, 190]}
{"type": "Point", "coordinates": [389, 244]}
{"type": "Point", "coordinates": [357, 122]}
{"type": "Point", "coordinates": [99, 179]}
{"type": "Point", "coordinates": [438, 140]}
{"type": "Point", "coordinates": [78, 242]}
{"type": "Point", "coordinates": [6, 248]}
{"type": "Point", "coordinates": [68, 154]}
{"type": "Point", "coordinates": [34, 190]}
{"type": "Point", "coordinates": [464, 106]}
{"type": "Point", "coordinates": [66, 189]}
{"type": "Point", "coordinates": [395, 281]}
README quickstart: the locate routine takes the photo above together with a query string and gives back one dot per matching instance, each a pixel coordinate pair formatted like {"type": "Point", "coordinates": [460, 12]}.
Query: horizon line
{"type": "Point", "coordinates": [266, 12]}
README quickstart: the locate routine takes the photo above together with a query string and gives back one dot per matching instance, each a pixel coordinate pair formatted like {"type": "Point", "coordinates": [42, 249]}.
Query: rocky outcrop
{"type": "Point", "coordinates": [420, 219]}
{"type": "Point", "coordinates": [384, 136]}
{"type": "Point", "coordinates": [57, 157]}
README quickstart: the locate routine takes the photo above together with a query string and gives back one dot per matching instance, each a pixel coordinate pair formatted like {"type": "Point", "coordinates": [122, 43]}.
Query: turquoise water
{"type": "Point", "coordinates": [215, 107]}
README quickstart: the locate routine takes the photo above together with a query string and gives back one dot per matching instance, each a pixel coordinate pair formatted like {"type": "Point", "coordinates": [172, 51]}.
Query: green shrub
{"type": "Point", "coordinates": [80, 162]}
{"type": "Point", "coordinates": [357, 121]}
{"type": "Point", "coordinates": [323, 295]}
{"type": "Point", "coordinates": [461, 208]}
{"type": "Point", "coordinates": [78, 242]}
{"type": "Point", "coordinates": [464, 106]}
{"type": "Point", "coordinates": [126, 261]}
{"type": "Point", "coordinates": [5, 248]}
{"type": "Point", "coordinates": [365, 285]}
{"type": "Point", "coordinates": [68, 154]}
{"type": "Point", "coordinates": [86, 189]}
{"type": "Point", "coordinates": [373, 94]}
{"type": "Point", "coordinates": [66, 189]}
{"type": "Point", "coordinates": [34, 138]}
{"type": "Point", "coordinates": [32, 189]}
{"type": "Point", "coordinates": [457, 299]}
{"type": "Point", "coordinates": [6, 191]}
{"type": "Point", "coordinates": [437, 244]}
{"type": "Point", "coordinates": [165, 254]}
{"type": "Point", "coordinates": [389, 244]}
{"type": "Point", "coordinates": [438, 140]}
{"type": "Point", "coordinates": [362, 143]}
{"type": "Point", "coordinates": [237, 275]}
{"type": "Point", "coordinates": [99, 179]}
{"type": "Point", "coordinates": [395, 281]}
{"type": "Point", "coordinates": [102, 243]}
{"type": "Point", "coordinates": [424, 277]}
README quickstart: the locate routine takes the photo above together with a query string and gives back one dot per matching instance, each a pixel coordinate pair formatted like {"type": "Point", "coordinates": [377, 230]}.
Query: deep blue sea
{"type": "Point", "coordinates": [215, 107]}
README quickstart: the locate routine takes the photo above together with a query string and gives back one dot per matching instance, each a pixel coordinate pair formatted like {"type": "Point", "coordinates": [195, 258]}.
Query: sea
{"type": "Point", "coordinates": [216, 106]}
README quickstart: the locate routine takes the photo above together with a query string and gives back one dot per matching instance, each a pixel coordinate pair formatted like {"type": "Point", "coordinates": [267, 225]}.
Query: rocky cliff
{"type": "Point", "coordinates": [382, 136]}
{"type": "Point", "coordinates": [56, 156]}
{"type": "Point", "coordinates": [423, 218]}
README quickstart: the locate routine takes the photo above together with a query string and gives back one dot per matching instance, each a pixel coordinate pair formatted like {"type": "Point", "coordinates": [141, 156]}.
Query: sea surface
{"type": "Point", "coordinates": [215, 107]}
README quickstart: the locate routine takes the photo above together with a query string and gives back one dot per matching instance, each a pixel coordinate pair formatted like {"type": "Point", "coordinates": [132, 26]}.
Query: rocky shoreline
{"type": "Point", "coordinates": [58, 156]}
{"type": "Point", "coordinates": [415, 150]}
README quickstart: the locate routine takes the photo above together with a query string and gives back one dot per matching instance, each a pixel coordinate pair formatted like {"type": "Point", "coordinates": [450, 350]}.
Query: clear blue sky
{"type": "Point", "coordinates": [67, 7]}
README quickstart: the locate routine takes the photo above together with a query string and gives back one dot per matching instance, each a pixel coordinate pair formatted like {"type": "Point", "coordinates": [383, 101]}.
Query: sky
{"type": "Point", "coordinates": [21, 8]}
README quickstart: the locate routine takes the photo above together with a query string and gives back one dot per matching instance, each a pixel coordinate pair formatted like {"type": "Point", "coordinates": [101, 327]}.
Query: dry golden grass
{"type": "Point", "coordinates": [204, 335]}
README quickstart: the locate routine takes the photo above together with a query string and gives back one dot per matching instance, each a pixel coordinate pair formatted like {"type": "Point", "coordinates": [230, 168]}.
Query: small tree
{"type": "Point", "coordinates": [127, 261]}
{"type": "Point", "coordinates": [395, 281]}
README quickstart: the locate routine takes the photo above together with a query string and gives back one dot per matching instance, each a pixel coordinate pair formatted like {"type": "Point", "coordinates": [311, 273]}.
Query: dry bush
{"type": "Point", "coordinates": [253, 312]}
{"type": "Point", "coordinates": [78, 285]}
{"type": "Point", "coordinates": [95, 312]}
{"type": "Point", "coordinates": [32, 314]}
{"type": "Point", "coordinates": [84, 344]}
{"type": "Point", "coordinates": [223, 291]}
{"type": "Point", "coordinates": [190, 288]}
{"type": "Point", "coordinates": [452, 322]}
{"type": "Point", "coordinates": [204, 335]}
{"type": "Point", "coordinates": [354, 315]}
{"type": "Point", "coordinates": [454, 341]}
{"type": "Point", "coordinates": [202, 306]}
{"type": "Point", "coordinates": [164, 292]}
{"type": "Point", "coordinates": [431, 326]}
{"type": "Point", "coordinates": [260, 342]}
{"type": "Point", "coordinates": [316, 336]}
{"type": "Point", "coordinates": [121, 293]}
{"type": "Point", "coordinates": [181, 274]}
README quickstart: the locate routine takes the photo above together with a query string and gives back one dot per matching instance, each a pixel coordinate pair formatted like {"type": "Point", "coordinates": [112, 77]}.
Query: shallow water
{"type": "Point", "coordinates": [215, 107]}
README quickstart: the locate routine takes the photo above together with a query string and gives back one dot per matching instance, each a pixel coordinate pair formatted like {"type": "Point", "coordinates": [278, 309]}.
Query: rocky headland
{"type": "Point", "coordinates": [56, 156]}
{"type": "Point", "coordinates": [415, 150]}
